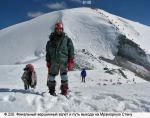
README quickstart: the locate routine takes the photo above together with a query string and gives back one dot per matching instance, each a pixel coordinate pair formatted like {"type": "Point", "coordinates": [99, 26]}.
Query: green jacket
{"type": "Point", "coordinates": [59, 49]}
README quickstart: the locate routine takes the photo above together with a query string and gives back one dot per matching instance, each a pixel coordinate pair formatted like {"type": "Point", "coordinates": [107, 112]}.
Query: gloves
{"type": "Point", "coordinates": [70, 64]}
{"type": "Point", "coordinates": [48, 64]}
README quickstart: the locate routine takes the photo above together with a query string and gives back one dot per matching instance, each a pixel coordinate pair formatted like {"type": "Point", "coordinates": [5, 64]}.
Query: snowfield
{"type": "Point", "coordinates": [101, 92]}
{"type": "Point", "coordinates": [108, 87]}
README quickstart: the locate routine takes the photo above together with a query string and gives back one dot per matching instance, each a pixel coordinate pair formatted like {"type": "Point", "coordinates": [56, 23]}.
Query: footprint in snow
{"type": "Point", "coordinates": [31, 100]}
{"type": "Point", "coordinates": [98, 97]}
{"type": "Point", "coordinates": [114, 96]}
{"type": "Point", "coordinates": [77, 93]}
{"type": "Point", "coordinates": [77, 101]}
{"type": "Point", "coordinates": [92, 107]}
{"type": "Point", "coordinates": [9, 98]}
{"type": "Point", "coordinates": [145, 105]}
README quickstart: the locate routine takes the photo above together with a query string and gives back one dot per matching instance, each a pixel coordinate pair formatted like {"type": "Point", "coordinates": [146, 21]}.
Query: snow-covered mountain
{"type": "Point", "coordinates": [105, 44]}
{"type": "Point", "coordinates": [93, 30]}
{"type": "Point", "coordinates": [89, 29]}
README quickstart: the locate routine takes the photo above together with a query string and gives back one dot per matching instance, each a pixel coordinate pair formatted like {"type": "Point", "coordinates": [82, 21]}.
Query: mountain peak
{"type": "Point", "coordinates": [91, 29]}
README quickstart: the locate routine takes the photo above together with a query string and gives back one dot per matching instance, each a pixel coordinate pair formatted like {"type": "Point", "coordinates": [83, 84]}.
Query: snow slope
{"type": "Point", "coordinates": [94, 34]}
{"type": "Point", "coordinates": [27, 40]}
{"type": "Point", "coordinates": [92, 29]}
{"type": "Point", "coordinates": [135, 31]}
{"type": "Point", "coordinates": [101, 92]}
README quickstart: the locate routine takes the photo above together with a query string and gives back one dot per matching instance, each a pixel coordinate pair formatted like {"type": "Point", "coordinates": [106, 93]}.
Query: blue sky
{"type": "Point", "coordinates": [16, 11]}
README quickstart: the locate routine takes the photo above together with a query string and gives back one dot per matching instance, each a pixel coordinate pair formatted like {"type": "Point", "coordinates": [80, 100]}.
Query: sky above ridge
{"type": "Point", "coordinates": [17, 11]}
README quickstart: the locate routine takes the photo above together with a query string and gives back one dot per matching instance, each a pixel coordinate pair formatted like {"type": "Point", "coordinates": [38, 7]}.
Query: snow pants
{"type": "Point", "coordinates": [51, 83]}
{"type": "Point", "coordinates": [55, 69]}
{"type": "Point", "coordinates": [83, 79]}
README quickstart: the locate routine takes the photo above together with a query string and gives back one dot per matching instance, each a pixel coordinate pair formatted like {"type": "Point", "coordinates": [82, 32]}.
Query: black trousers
{"type": "Point", "coordinates": [27, 84]}
{"type": "Point", "coordinates": [83, 79]}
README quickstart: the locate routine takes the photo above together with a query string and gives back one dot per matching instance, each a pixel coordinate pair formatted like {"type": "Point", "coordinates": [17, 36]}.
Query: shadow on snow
{"type": "Point", "coordinates": [19, 91]}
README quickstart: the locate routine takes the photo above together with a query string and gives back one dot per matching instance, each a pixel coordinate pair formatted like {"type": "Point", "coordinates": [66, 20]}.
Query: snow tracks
{"type": "Point", "coordinates": [76, 101]}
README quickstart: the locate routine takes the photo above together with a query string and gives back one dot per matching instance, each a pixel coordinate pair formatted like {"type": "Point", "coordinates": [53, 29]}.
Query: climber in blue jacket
{"type": "Point", "coordinates": [83, 75]}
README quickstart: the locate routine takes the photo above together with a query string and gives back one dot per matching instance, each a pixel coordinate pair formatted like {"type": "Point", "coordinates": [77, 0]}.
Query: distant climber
{"type": "Point", "coordinates": [29, 77]}
{"type": "Point", "coordinates": [83, 75]}
{"type": "Point", "coordinates": [59, 57]}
